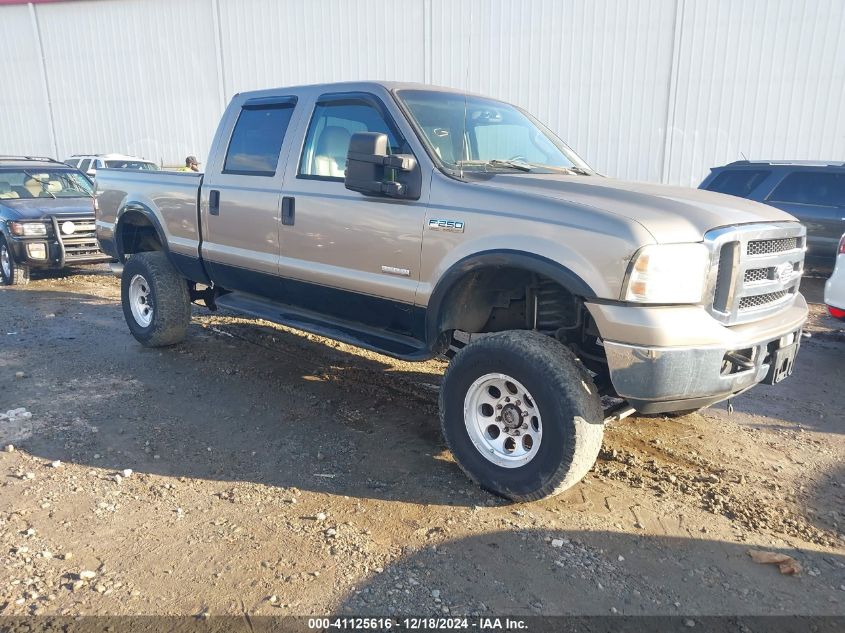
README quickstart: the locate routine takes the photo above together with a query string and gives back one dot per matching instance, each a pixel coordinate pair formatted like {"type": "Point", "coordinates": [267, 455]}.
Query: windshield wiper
{"type": "Point", "coordinates": [496, 162]}
{"type": "Point", "coordinates": [580, 170]}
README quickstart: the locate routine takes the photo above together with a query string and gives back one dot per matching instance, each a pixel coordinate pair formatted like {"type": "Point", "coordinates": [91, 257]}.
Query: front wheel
{"type": "Point", "coordinates": [11, 272]}
{"type": "Point", "coordinates": [156, 302]}
{"type": "Point", "coordinates": [521, 415]}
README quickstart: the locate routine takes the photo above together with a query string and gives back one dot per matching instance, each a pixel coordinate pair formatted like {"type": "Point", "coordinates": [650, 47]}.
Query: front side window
{"type": "Point", "coordinates": [257, 139]}
{"type": "Point", "coordinates": [737, 182]}
{"type": "Point", "coordinates": [823, 188]}
{"type": "Point", "coordinates": [85, 164]}
{"type": "Point", "coordinates": [44, 183]}
{"type": "Point", "coordinates": [468, 132]}
{"type": "Point", "coordinates": [331, 129]}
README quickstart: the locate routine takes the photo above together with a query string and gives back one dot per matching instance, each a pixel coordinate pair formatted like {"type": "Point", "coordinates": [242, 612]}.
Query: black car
{"type": "Point", "coordinates": [46, 217]}
{"type": "Point", "coordinates": [814, 192]}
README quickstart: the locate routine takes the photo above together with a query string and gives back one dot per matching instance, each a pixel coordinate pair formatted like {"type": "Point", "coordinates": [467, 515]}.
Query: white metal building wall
{"type": "Point", "coordinates": [655, 90]}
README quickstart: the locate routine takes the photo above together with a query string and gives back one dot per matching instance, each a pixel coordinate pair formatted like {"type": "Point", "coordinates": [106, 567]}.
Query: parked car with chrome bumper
{"type": "Point", "coordinates": [834, 287]}
{"type": "Point", "coordinates": [46, 218]}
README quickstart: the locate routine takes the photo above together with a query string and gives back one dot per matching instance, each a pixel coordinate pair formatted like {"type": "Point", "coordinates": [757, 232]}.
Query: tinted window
{"type": "Point", "coordinates": [330, 131]}
{"type": "Point", "coordinates": [824, 188]}
{"type": "Point", "coordinates": [257, 140]}
{"type": "Point", "coordinates": [73, 162]}
{"type": "Point", "coordinates": [737, 182]}
{"type": "Point", "coordinates": [84, 165]}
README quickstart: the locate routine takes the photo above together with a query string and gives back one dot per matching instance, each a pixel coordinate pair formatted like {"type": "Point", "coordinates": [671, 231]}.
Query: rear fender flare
{"type": "Point", "coordinates": [147, 212]}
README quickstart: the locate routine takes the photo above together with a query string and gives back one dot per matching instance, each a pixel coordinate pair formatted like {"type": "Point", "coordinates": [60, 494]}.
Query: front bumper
{"type": "Point", "coordinates": [55, 251]}
{"type": "Point", "coordinates": [657, 378]}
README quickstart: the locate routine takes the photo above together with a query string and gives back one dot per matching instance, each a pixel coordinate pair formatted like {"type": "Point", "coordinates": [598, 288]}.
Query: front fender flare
{"type": "Point", "coordinates": [498, 258]}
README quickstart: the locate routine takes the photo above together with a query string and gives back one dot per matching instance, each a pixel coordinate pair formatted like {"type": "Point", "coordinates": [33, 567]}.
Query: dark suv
{"type": "Point", "coordinates": [814, 192]}
{"type": "Point", "coordinates": [46, 217]}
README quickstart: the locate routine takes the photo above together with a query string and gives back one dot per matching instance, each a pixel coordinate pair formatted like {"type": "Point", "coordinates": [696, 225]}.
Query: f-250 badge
{"type": "Point", "coordinates": [453, 226]}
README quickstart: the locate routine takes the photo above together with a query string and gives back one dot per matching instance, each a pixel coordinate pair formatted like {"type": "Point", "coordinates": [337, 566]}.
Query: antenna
{"type": "Point", "coordinates": [466, 87]}
{"type": "Point", "coordinates": [743, 157]}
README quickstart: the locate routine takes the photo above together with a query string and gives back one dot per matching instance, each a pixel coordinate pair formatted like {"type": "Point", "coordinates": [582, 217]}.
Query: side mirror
{"type": "Point", "coordinates": [373, 171]}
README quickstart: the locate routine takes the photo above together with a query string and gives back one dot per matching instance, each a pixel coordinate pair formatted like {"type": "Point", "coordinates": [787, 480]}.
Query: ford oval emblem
{"type": "Point", "coordinates": [784, 272]}
{"type": "Point", "coordinates": [68, 227]}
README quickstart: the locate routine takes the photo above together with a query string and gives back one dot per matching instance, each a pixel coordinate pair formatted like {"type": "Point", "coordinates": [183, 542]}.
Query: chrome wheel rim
{"type": "Point", "coordinates": [139, 301]}
{"type": "Point", "coordinates": [502, 420]}
{"type": "Point", "coordinates": [5, 261]}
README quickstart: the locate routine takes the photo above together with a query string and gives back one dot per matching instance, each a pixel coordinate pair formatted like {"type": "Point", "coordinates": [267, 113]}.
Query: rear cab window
{"type": "Point", "coordinates": [738, 182]}
{"type": "Point", "coordinates": [821, 188]}
{"type": "Point", "coordinates": [257, 137]}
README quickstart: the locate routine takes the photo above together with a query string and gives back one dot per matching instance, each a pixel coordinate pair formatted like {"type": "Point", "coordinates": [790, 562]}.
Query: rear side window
{"type": "Point", "coordinates": [257, 139]}
{"type": "Point", "coordinates": [738, 182]}
{"type": "Point", "coordinates": [823, 188]}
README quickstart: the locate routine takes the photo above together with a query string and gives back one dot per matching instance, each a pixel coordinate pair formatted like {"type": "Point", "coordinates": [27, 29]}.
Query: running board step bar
{"type": "Point", "coordinates": [396, 345]}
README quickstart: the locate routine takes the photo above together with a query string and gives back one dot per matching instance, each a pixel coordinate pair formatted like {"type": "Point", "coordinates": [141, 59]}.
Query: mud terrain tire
{"type": "Point", "coordinates": [559, 387]}
{"type": "Point", "coordinates": [155, 298]}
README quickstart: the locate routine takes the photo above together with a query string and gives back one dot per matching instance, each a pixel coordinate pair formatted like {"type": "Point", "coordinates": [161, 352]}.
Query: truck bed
{"type": "Point", "coordinates": [172, 198]}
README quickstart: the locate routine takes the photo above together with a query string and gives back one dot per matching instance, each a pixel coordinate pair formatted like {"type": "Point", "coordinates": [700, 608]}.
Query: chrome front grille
{"type": "Point", "coordinates": [767, 247]}
{"type": "Point", "coordinates": [757, 274]}
{"type": "Point", "coordinates": [756, 269]}
{"type": "Point", "coordinates": [756, 301]}
{"type": "Point", "coordinates": [78, 237]}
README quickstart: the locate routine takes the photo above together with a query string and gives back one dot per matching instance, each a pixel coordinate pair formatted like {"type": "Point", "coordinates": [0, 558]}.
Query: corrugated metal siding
{"type": "Point", "coordinates": [131, 77]}
{"type": "Point", "coordinates": [595, 71]}
{"type": "Point", "coordinates": [268, 43]}
{"type": "Point", "coordinates": [151, 77]}
{"type": "Point", "coordinates": [761, 77]}
{"type": "Point", "coordinates": [24, 111]}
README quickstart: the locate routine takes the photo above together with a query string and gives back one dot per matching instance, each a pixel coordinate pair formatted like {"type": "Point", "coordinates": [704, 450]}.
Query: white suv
{"type": "Point", "coordinates": [90, 163]}
{"type": "Point", "coordinates": [834, 288]}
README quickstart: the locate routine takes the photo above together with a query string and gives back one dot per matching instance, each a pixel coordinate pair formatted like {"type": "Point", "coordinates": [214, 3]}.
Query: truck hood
{"type": "Point", "coordinates": [37, 208]}
{"type": "Point", "coordinates": [671, 214]}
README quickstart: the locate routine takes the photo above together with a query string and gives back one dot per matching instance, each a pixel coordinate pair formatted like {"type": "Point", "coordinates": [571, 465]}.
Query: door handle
{"type": "Point", "coordinates": [214, 202]}
{"type": "Point", "coordinates": [288, 210]}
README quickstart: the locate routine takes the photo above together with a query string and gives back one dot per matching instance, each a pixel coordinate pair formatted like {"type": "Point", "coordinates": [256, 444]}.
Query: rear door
{"type": "Point", "coordinates": [240, 199]}
{"type": "Point", "coordinates": [817, 198]}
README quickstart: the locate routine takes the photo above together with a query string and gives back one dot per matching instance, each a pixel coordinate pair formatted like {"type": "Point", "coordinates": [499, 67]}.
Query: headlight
{"type": "Point", "coordinates": [28, 229]}
{"type": "Point", "coordinates": [668, 273]}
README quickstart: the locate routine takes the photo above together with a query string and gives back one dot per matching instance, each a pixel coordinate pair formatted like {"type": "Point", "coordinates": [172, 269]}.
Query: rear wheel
{"type": "Point", "coordinates": [521, 415]}
{"type": "Point", "coordinates": [11, 272]}
{"type": "Point", "coordinates": [156, 302]}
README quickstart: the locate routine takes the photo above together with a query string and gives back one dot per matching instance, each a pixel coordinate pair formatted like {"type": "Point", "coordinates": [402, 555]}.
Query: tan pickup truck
{"type": "Point", "coordinates": [419, 221]}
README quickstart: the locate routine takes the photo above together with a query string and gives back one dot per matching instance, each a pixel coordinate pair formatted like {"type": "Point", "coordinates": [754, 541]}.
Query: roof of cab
{"type": "Point", "coordinates": [351, 86]}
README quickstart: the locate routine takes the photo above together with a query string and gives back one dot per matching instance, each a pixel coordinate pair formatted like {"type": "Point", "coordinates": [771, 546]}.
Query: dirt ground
{"type": "Point", "coordinates": [275, 472]}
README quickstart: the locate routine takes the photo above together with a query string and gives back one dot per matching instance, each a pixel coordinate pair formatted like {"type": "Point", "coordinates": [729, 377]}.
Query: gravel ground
{"type": "Point", "coordinates": [255, 469]}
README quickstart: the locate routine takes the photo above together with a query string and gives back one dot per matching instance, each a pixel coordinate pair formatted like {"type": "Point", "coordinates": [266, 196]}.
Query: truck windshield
{"type": "Point", "coordinates": [44, 183]}
{"type": "Point", "coordinates": [467, 132]}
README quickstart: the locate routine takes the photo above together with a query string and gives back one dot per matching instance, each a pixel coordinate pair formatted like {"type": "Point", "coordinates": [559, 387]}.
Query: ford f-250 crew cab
{"type": "Point", "coordinates": [419, 221]}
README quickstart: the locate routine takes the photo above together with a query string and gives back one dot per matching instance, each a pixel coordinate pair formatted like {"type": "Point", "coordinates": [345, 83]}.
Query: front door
{"type": "Point", "coordinates": [241, 199]}
{"type": "Point", "coordinates": [344, 254]}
